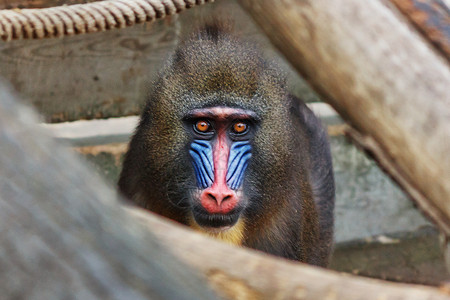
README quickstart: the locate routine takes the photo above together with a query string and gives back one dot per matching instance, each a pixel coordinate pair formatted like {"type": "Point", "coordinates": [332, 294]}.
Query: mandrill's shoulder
{"type": "Point", "coordinates": [321, 167]}
{"type": "Point", "coordinates": [320, 173]}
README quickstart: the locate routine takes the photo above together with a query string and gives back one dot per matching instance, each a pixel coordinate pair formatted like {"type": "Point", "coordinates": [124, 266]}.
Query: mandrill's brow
{"type": "Point", "coordinates": [222, 114]}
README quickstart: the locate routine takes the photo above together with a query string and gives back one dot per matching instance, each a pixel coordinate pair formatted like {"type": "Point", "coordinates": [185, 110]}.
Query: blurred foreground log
{"type": "Point", "coordinates": [383, 78]}
{"type": "Point", "coordinates": [64, 235]}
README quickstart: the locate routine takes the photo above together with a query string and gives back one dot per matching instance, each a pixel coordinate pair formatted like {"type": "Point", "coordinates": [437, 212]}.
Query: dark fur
{"type": "Point", "coordinates": [289, 183]}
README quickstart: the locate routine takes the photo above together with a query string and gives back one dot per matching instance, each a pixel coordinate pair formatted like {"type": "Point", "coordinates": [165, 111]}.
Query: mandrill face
{"type": "Point", "coordinates": [208, 151]}
{"type": "Point", "coordinates": [220, 151]}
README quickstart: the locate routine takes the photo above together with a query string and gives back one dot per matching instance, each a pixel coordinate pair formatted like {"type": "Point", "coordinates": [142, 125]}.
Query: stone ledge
{"type": "Point", "coordinates": [413, 257]}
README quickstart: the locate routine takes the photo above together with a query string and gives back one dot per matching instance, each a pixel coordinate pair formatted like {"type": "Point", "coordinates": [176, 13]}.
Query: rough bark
{"type": "Point", "coordinates": [371, 65]}
{"type": "Point", "coordinates": [64, 235]}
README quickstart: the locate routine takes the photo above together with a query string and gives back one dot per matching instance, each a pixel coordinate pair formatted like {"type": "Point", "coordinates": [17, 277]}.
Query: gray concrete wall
{"type": "Point", "coordinates": [368, 203]}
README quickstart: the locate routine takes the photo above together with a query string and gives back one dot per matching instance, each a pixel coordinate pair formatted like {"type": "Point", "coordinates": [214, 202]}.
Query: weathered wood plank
{"type": "Point", "coordinates": [89, 76]}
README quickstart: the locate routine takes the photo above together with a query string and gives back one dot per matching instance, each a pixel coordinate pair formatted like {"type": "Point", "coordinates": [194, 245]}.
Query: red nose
{"type": "Point", "coordinates": [218, 199]}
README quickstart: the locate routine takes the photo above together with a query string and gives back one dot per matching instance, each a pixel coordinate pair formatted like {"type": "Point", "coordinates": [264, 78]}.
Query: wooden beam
{"type": "Point", "coordinates": [382, 77]}
{"type": "Point", "coordinates": [238, 273]}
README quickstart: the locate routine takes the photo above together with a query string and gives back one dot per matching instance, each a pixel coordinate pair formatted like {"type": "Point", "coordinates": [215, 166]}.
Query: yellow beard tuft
{"type": "Point", "coordinates": [233, 236]}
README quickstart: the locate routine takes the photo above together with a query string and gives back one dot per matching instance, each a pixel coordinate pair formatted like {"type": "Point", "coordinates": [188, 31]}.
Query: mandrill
{"type": "Point", "coordinates": [223, 148]}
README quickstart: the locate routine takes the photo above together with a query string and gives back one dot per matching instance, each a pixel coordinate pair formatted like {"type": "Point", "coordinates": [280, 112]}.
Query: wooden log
{"type": "Point", "coordinates": [64, 235]}
{"type": "Point", "coordinates": [237, 273]}
{"type": "Point", "coordinates": [382, 77]}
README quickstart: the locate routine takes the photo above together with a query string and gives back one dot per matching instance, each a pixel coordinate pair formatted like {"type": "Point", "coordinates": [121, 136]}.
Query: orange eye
{"type": "Point", "coordinates": [239, 127]}
{"type": "Point", "coordinates": [202, 126]}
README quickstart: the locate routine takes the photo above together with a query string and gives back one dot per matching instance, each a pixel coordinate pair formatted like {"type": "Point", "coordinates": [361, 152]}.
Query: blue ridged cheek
{"type": "Point", "coordinates": [202, 159]}
{"type": "Point", "coordinates": [240, 154]}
